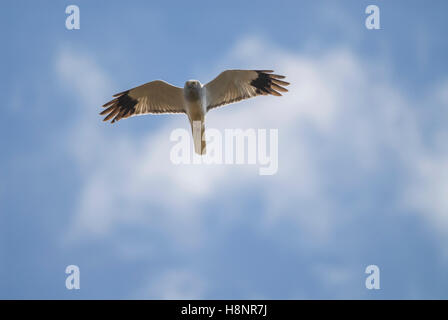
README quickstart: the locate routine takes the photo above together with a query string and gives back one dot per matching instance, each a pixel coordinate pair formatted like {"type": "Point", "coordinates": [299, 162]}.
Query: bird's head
{"type": "Point", "coordinates": [192, 84]}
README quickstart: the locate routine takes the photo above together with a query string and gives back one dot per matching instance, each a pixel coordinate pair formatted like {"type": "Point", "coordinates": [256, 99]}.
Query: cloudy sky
{"type": "Point", "coordinates": [363, 160]}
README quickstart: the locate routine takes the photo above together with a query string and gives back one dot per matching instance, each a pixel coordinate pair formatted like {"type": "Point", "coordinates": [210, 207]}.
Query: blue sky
{"type": "Point", "coordinates": [363, 163]}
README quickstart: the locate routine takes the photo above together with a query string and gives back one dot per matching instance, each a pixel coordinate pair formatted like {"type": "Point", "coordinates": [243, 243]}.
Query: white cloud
{"type": "Point", "coordinates": [82, 74]}
{"type": "Point", "coordinates": [428, 189]}
{"type": "Point", "coordinates": [342, 122]}
{"type": "Point", "coordinates": [173, 284]}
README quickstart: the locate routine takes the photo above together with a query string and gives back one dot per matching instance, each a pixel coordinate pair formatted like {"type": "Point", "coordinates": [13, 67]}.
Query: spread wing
{"type": "Point", "coordinates": [152, 97]}
{"type": "Point", "coordinates": [235, 85]}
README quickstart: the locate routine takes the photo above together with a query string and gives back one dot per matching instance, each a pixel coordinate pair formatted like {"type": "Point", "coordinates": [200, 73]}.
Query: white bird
{"type": "Point", "coordinates": [194, 99]}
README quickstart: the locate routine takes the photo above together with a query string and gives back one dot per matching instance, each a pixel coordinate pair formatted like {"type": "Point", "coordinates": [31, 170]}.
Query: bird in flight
{"type": "Point", "coordinates": [194, 99]}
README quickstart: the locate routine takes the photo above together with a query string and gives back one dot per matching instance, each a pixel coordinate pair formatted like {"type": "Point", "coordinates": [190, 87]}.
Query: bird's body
{"type": "Point", "coordinates": [195, 107]}
{"type": "Point", "coordinates": [194, 99]}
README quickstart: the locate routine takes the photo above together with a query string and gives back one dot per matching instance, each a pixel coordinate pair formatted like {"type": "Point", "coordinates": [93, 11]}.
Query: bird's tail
{"type": "Point", "coordinates": [198, 131]}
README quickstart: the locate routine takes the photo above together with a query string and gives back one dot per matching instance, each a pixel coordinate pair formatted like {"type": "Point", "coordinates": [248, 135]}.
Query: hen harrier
{"type": "Point", "coordinates": [194, 99]}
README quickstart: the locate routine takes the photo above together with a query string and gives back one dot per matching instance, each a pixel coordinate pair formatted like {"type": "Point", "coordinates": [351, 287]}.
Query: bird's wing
{"type": "Point", "coordinates": [235, 85]}
{"type": "Point", "coordinates": [152, 97]}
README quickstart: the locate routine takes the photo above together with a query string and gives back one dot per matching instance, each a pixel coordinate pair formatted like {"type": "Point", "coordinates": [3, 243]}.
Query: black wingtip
{"type": "Point", "coordinates": [120, 107]}
{"type": "Point", "coordinates": [267, 83]}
